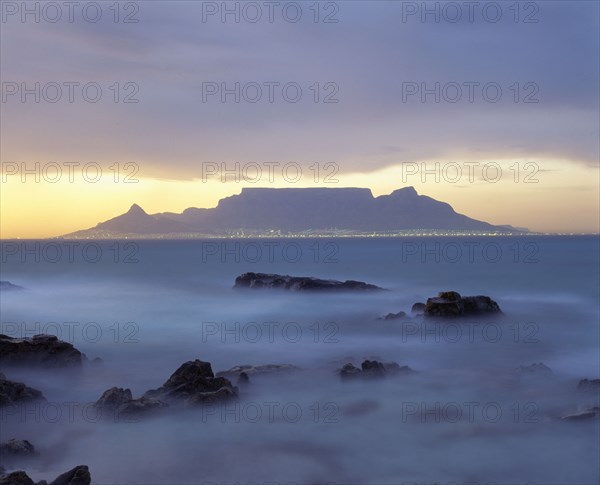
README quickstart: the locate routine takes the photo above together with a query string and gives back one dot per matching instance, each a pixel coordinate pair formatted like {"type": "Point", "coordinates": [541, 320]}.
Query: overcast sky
{"type": "Point", "coordinates": [370, 61]}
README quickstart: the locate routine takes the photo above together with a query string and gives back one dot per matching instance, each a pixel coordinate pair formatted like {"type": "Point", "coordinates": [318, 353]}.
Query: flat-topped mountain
{"type": "Point", "coordinates": [296, 210]}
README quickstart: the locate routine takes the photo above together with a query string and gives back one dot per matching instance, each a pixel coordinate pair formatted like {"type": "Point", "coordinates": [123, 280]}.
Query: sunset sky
{"type": "Point", "coordinates": [542, 132]}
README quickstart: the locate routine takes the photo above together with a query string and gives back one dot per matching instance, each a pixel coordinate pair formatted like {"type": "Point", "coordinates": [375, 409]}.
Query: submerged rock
{"type": "Point", "coordinates": [586, 414]}
{"type": "Point", "coordinates": [538, 369]}
{"type": "Point", "coordinates": [418, 308]}
{"type": "Point", "coordinates": [394, 316]}
{"type": "Point", "coordinates": [452, 304]}
{"type": "Point", "coordinates": [40, 350]}
{"type": "Point", "coordinates": [13, 393]}
{"type": "Point", "coordinates": [256, 370]}
{"type": "Point", "coordinates": [119, 403]}
{"type": "Point", "coordinates": [589, 385]}
{"type": "Point", "coordinates": [194, 383]}
{"type": "Point", "coordinates": [372, 369]}
{"type": "Point", "coordinates": [16, 448]}
{"type": "Point", "coordinates": [299, 283]}
{"type": "Point", "coordinates": [8, 286]}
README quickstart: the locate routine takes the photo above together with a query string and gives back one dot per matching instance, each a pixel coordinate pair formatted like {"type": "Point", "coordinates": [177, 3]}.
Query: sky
{"type": "Point", "coordinates": [492, 107]}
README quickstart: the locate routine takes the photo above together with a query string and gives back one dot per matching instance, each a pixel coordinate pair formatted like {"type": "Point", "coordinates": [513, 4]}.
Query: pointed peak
{"type": "Point", "coordinates": [410, 190]}
{"type": "Point", "coordinates": [136, 209]}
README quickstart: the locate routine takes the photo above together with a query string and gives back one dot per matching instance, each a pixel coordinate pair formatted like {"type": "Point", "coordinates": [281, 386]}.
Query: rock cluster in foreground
{"type": "Point", "coordinates": [450, 304]}
{"type": "Point", "coordinates": [299, 283]}
{"type": "Point", "coordinates": [80, 475]}
{"type": "Point", "coordinates": [372, 369]}
{"type": "Point", "coordinates": [193, 383]}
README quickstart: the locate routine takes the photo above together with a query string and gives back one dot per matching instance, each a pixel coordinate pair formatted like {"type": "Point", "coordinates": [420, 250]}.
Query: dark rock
{"type": "Point", "coordinates": [589, 385]}
{"type": "Point", "coordinates": [194, 383]}
{"type": "Point", "coordinates": [80, 475]}
{"type": "Point", "coordinates": [451, 304]}
{"type": "Point", "coordinates": [299, 283]}
{"type": "Point", "coordinates": [113, 398]}
{"type": "Point", "coordinates": [16, 478]}
{"type": "Point", "coordinates": [394, 316]}
{"type": "Point", "coordinates": [256, 370]}
{"type": "Point", "coordinates": [12, 393]}
{"type": "Point", "coordinates": [243, 379]}
{"type": "Point", "coordinates": [418, 308]}
{"type": "Point", "coordinates": [8, 286]}
{"type": "Point", "coordinates": [372, 369]}
{"type": "Point", "coordinates": [40, 350]}
{"type": "Point", "coordinates": [119, 403]}
{"type": "Point", "coordinates": [539, 369]}
{"type": "Point", "coordinates": [586, 414]}
{"type": "Point", "coordinates": [348, 371]}
{"type": "Point", "coordinates": [16, 448]}
{"type": "Point", "coordinates": [138, 407]}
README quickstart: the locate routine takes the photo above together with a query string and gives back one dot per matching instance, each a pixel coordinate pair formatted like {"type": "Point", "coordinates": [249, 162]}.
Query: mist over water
{"type": "Point", "coordinates": [464, 415]}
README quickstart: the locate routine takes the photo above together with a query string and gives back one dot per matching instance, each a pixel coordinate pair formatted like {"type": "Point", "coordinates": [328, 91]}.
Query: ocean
{"type": "Point", "coordinates": [465, 415]}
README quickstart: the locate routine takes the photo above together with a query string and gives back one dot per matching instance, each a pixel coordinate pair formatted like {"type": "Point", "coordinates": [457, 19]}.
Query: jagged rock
{"type": "Point", "coordinates": [418, 308]}
{"type": "Point", "coordinates": [16, 448]}
{"type": "Point", "coordinates": [80, 475]}
{"type": "Point", "coordinates": [371, 369]}
{"type": "Point", "coordinates": [243, 379]}
{"type": "Point", "coordinates": [590, 413]}
{"type": "Point", "coordinates": [13, 393]}
{"type": "Point", "coordinates": [16, 478]}
{"type": "Point", "coordinates": [8, 286]}
{"type": "Point", "coordinates": [452, 304]}
{"type": "Point", "coordinates": [194, 383]}
{"type": "Point", "coordinates": [394, 316]}
{"type": "Point", "coordinates": [539, 369]}
{"type": "Point", "coordinates": [119, 403]}
{"type": "Point", "coordinates": [298, 283]}
{"type": "Point", "coordinates": [589, 385]}
{"type": "Point", "coordinates": [41, 350]}
{"type": "Point", "coordinates": [255, 370]}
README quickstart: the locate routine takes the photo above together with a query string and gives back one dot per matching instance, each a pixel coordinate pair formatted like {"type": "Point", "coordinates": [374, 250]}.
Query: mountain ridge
{"type": "Point", "coordinates": [297, 210]}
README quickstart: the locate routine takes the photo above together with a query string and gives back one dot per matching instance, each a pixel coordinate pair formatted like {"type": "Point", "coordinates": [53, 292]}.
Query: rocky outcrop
{"type": "Point", "coordinates": [394, 316]}
{"type": "Point", "coordinates": [299, 283]}
{"type": "Point", "coordinates": [418, 308]}
{"type": "Point", "coordinates": [8, 286]}
{"type": "Point", "coordinates": [539, 369]}
{"type": "Point", "coordinates": [39, 350]}
{"type": "Point", "coordinates": [257, 370]}
{"type": "Point", "coordinates": [16, 478]}
{"type": "Point", "coordinates": [589, 385]}
{"type": "Point", "coordinates": [16, 448]}
{"type": "Point", "coordinates": [118, 403]}
{"type": "Point", "coordinates": [194, 383]}
{"type": "Point", "coordinates": [14, 393]}
{"type": "Point", "coordinates": [452, 304]}
{"type": "Point", "coordinates": [586, 414]}
{"type": "Point", "coordinates": [372, 369]}
{"type": "Point", "coordinates": [80, 475]}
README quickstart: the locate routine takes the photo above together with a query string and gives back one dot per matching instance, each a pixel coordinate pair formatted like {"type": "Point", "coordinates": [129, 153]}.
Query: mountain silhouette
{"type": "Point", "coordinates": [297, 210]}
